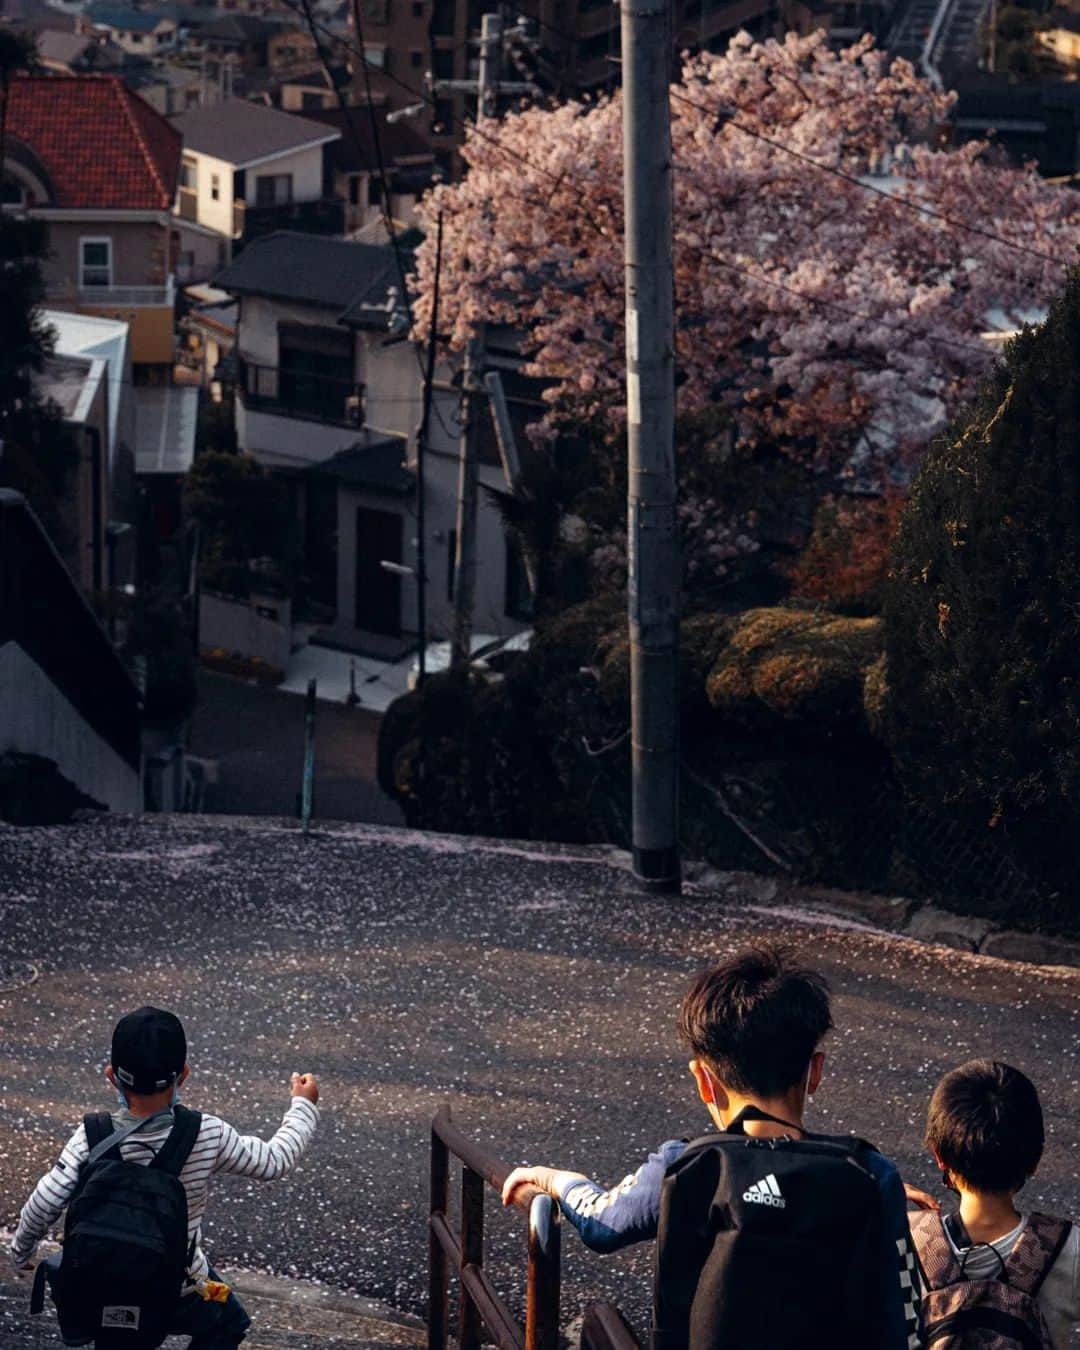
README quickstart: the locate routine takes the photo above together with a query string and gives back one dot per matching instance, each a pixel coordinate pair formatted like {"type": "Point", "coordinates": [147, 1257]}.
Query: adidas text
{"type": "Point", "coordinates": [765, 1192]}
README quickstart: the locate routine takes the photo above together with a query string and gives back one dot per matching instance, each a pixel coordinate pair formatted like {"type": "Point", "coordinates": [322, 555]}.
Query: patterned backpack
{"type": "Point", "coordinates": [1000, 1313]}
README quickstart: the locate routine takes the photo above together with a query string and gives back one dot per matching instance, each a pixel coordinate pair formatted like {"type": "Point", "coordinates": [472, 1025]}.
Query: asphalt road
{"type": "Point", "coordinates": [534, 991]}
{"type": "Point", "coordinates": [256, 735]}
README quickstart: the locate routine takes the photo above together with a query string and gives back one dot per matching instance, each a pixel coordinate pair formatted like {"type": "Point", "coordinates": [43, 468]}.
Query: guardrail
{"type": "Point", "coordinates": [480, 1306]}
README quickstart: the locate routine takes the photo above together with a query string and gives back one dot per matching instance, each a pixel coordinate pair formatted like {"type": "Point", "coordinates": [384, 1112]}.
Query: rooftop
{"type": "Point", "coordinates": [165, 418]}
{"type": "Point", "coordinates": [102, 146]}
{"type": "Point", "coordinates": [89, 335]}
{"type": "Point", "coordinates": [354, 280]}
{"type": "Point", "coordinates": [356, 149]}
{"type": "Point", "coordinates": [241, 133]}
{"type": "Point", "coordinates": [70, 382]}
{"type": "Point", "coordinates": [125, 18]}
{"type": "Point", "coordinates": [376, 462]}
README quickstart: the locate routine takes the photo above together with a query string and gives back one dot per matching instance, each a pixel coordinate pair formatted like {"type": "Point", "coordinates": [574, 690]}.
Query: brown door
{"type": "Point", "coordinates": [378, 592]}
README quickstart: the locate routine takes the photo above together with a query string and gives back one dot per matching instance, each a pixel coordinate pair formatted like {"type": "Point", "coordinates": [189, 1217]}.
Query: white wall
{"type": "Point", "coordinates": [36, 719]}
{"type": "Point", "coordinates": [306, 167]}
{"type": "Point", "coordinates": [215, 215]}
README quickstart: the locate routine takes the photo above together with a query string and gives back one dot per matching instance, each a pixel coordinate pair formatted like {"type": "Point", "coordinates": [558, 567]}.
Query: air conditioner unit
{"type": "Point", "coordinates": [354, 410]}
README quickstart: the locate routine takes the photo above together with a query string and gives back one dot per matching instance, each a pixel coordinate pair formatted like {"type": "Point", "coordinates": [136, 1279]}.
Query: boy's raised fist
{"type": "Point", "coordinates": [305, 1085]}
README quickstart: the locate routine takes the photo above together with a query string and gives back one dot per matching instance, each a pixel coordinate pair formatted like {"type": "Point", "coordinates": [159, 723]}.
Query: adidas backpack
{"type": "Point", "coordinates": [1000, 1313]}
{"type": "Point", "coordinates": [125, 1253]}
{"type": "Point", "coordinates": [769, 1242]}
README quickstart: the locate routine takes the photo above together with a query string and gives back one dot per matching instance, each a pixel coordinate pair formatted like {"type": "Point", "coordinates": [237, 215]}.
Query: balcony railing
{"type": "Point", "coordinates": [302, 395]}
{"type": "Point", "coordinates": [150, 297]}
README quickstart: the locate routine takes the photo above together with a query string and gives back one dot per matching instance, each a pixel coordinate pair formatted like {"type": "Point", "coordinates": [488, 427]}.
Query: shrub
{"type": "Point", "coordinates": [982, 612]}
{"type": "Point", "coordinates": [845, 561]}
{"type": "Point", "coordinates": [785, 670]}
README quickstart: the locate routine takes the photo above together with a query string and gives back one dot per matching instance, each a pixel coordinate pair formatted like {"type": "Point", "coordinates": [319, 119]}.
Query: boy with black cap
{"type": "Point", "coordinates": [148, 1067]}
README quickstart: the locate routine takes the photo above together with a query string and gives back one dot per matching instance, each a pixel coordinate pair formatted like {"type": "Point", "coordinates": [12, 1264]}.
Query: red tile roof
{"type": "Point", "coordinates": [101, 145]}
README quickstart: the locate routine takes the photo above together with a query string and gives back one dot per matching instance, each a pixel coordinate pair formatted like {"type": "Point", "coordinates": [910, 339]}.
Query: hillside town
{"type": "Point", "coordinates": [504, 506]}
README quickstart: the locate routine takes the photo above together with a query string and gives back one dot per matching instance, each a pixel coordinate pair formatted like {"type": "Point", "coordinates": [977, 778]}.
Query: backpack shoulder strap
{"type": "Point", "coordinates": [99, 1127]}
{"type": "Point", "coordinates": [938, 1263]}
{"type": "Point", "coordinates": [1036, 1250]}
{"type": "Point", "coordinates": [173, 1153]}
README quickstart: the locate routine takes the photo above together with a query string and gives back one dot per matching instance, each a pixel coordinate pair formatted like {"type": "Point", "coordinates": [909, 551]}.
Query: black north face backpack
{"type": "Point", "coordinates": [126, 1251]}
{"type": "Point", "coordinates": [769, 1242]}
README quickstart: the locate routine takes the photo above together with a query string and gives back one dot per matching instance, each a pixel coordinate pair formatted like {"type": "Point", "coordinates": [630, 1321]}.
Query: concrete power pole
{"type": "Point", "coordinates": [487, 88]}
{"type": "Point", "coordinates": [654, 562]}
{"type": "Point", "coordinates": [469, 467]}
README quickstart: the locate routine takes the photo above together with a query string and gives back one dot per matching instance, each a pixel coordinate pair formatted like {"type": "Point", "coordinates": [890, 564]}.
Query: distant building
{"type": "Point", "coordinates": [353, 165]}
{"type": "Point", "coordinates": [245, 166]}
{"type": "Point", "coordinates": [1039, 120]}
{"type": "Point", "coordinates": [1062, 38]}
{"type": "Point", "coordinates": [329, 397]}
{"type": "Point", "coordinates": [138, 32]}
{"type": "Point", "coordinates": [100, 167]}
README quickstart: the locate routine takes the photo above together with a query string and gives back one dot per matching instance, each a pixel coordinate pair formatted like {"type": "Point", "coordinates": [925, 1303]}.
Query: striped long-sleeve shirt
{"type": "Point", "coordinates": [218, 1148]}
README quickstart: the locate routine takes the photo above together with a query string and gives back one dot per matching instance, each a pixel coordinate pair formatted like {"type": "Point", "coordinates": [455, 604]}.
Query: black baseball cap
{"type": "Point", "coordinates": [149, 1050]}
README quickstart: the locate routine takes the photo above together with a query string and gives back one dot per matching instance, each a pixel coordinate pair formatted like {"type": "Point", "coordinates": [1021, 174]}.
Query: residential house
{"type": "Point", "coordinates": [245, 167]}
{"type": "Point", "coordinates": [99, 166]}
{"type": "Point", "coordinates": [1062, 38]}
{"type": "Point", "coordinates": [89, 377]}
{"type": "Point", "coordinates": [69, 718]}
{"type": "Point", "coordinates": [73, 53]}
{"type": "Point", "coordinates": [139, 32]}
{"type": "Point", "coordinates": [329, 396]}
{"type": "Point", "coordinates": [354, 166]}
{"type": "Point", "coordinates": [238, 42]}
{"type": "Point", "coordinates": [170, 89]}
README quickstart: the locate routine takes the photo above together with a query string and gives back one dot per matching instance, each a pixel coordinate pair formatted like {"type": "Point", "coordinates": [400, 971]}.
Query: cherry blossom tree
{"type": "Point", "coordinates": [836, 261]}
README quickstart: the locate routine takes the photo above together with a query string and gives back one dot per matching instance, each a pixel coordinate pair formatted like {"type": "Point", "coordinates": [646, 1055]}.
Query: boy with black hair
{"type": "Point", "coordinates": [147, 1070]}
{"type": "Point", "coordinates": [766, 1233]}
{"type": "Point", "coordinates": [988, 1270]}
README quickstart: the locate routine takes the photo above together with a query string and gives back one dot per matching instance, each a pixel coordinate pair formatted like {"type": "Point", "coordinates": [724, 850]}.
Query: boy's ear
{"type": "Point", "coordinates": [817, 1069]}
{"type": "Point", "coordinates": [710, 1091]}
{"type": "Point", "coordinates": [110, 1077]}
{"type": "Point", "coordinates": [183, 1075]}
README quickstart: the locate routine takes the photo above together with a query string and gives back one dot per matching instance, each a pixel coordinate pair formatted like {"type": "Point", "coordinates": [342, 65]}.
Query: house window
{"type": "Point", "coordinates": [416, 59]}
{"type": "Point", "coordinates": [215, 187]}
{"type": "Point", "coordinates": [418, 9]}
{"type": "Point", "coordinates": [375, 192]}
{"type": "Point", "coordinates": [271, 189]}
{"type": "Point", "coordinates": [95, 263]}
{"type": "Point", "coordinates": [11, 193]}
{"type": "Point", "coordinates": [189, 171]}
{"type": "Point", "coordinates": [375, 57]}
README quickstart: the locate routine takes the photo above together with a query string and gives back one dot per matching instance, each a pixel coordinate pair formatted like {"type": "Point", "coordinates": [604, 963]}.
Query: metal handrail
{"type": "Point", "coordinates": [480, 1305]}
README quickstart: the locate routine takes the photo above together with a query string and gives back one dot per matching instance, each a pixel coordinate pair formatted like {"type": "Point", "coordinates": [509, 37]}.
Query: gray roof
{"type": "Point", "coordinates": [354, 280]}
{"type": "Point", "coordinates": [165, 417]}
{"type": "Point", "coordinates": [376, 463]}
{"type": "Point", "coordinates": [245, 133]}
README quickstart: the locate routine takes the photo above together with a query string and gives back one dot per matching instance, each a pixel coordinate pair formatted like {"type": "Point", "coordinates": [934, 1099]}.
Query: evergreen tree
{"type": "Point", "coordinates": [36, 451]}
{"type": "Point", "coordinates": [983, 606]}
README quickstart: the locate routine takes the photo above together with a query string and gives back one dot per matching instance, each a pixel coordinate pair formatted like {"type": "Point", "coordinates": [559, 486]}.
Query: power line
{"type": "Point", "coordinates": [726, 117]}
{"type": "Point", "coordinates": [587, 216]}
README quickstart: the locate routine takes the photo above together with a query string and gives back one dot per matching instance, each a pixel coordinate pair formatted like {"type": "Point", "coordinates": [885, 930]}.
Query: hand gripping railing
{"type": "Point", "coordinates": [480, 1306]}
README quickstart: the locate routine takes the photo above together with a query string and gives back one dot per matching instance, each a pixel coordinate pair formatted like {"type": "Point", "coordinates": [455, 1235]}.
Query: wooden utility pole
{"type": "Point", "coordinates": [654, 562]}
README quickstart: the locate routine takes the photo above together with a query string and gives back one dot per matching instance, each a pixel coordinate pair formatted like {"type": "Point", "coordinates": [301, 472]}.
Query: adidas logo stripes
{"type": "Point", "coordinates": [765, 1192]}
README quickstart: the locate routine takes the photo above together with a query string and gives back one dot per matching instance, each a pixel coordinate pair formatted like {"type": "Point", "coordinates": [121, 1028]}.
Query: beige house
{"type": "Point", "coordinates": [99, 166]}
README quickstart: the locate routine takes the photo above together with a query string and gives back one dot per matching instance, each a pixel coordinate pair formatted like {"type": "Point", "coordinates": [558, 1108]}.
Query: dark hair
{"type": "Point", "coordinates": [756, 1020]}
{"type": "Point", "coordinates": [986, 1125]}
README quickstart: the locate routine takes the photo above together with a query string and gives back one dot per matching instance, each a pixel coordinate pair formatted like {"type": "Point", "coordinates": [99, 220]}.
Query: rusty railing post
{"type": "Point", "coordinates": [438, 1302]}
{"type": "Point", "coordinates": [542, 1293]}
{"type": "Point", "coordinates": [470, 1322]}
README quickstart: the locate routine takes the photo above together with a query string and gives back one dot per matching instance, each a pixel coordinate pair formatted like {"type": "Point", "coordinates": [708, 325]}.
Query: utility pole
{"type": "Point", "coordinates": [654, 563]}
{"type": "Point", "coordinates": [308, 782]}
{"type": "Point", "coordinates": [487, 88]}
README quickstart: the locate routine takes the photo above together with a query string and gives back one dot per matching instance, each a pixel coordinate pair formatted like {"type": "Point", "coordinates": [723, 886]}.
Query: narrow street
{"type": "Point", "coordinates": [533, 989]}
{"type": "Point", "coordinates": [256, 737]}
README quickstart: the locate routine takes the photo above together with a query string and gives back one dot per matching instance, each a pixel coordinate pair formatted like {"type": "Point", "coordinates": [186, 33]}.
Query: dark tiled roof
{"type": "Point", "coordinates": [356, 149]}
{"type": "Point", "coordinates": [240, 133]}
{"type": "Point", "coordinates": [126, 18]}
{"type": "Point", "coordinates": [102, 145]}
{"type": "Point", "coordinates": [316, 270]}
{"type": "Point", "coordinates": [239, 28]}
{"type": "Point", "coordinates": [376, 462]}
